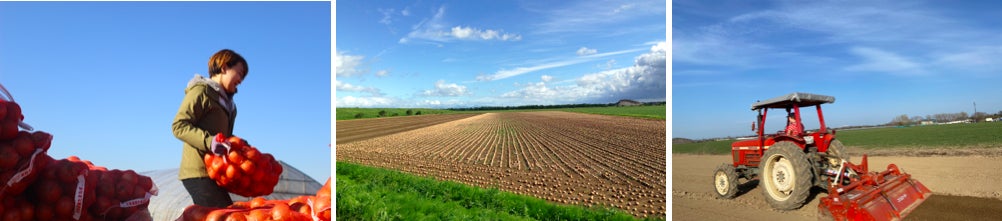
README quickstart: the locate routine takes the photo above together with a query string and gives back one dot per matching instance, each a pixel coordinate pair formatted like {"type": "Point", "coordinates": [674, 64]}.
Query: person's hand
{"type": "Point", "coordinates": [219, 145]}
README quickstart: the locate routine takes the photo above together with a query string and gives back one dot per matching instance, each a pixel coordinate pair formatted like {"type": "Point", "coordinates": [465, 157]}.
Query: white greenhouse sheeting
{"type": "Point", "coordinates": [168, 204]}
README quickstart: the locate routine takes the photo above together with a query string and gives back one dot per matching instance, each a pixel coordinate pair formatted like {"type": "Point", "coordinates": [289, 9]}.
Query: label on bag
{"type": "Point", "coordinates": [24, 173]}
{"type": "Point", "coordinates": [78, 198]}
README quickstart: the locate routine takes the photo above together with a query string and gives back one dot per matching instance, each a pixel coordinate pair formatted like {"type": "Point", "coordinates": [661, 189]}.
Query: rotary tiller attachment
{"type": "Point", "coordinates": [857, 194]}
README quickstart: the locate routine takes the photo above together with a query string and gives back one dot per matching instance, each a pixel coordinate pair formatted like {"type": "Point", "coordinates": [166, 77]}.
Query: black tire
{"type": "Point", "coordinates": [835, 148]}
{"type": "Point", "coordinates": [781, 162]}
{"type": "Point", "coordinates": [725, 181]}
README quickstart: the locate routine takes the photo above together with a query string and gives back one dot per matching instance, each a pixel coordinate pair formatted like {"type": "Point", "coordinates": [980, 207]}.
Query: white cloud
{"type": "Point", "coordinates": [462, 33]}
{"type": "Point", "coordinates": [546, 78]}
{"type": "Point", "coordinates": [341, 86]}
{"type": "Point", "coordinates": [586, 51]}
{"type": "Point", "coordinates": [382, 73]}
{"type": "Point", "coordinates": [876, 60]}
{"type": "Point", "coordinates": [645, 80]}
{"type": "Point", "coordinates": [446, 90]}
{"type": "Point", "coordinates": [502, 74]}
{"type": "Point", "coordinates": [537, 92]}
{"type": "Point", "coordinates": [467, 33]}
{"type": "Point", "coordinates": [437, 29]}
{"type": "Point", "coordinates": [347, 65]}
{"type": "Point", "coordinates": [351, 101]}
{"type": "Point", "coordinates": [406, 11]}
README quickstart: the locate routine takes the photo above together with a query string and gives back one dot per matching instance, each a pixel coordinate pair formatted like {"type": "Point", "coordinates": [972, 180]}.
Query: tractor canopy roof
{"type": "Point", "coordinates": [799, 98]}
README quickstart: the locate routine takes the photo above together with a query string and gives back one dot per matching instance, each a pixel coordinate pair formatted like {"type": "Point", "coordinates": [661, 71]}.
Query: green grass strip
{"type": "Point", "coordinates": [974, 135]}
{"type": "Point", "coordinates": [988, 134]}
{"type": "Point", "coordinates": [362, 113]}
{"type": "Point", "coordinates": [708, 147]}
{"type": "Point", "coordinates": [367, 193]}
{"type": "Point", "coordinates": [652, 112]}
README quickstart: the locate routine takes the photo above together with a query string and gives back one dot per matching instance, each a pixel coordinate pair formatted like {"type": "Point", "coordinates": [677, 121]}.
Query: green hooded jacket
{"type": "Point", "coordinates": [205, 111]}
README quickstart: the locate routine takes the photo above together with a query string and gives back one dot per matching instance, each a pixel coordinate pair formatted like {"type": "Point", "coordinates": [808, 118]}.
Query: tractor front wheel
{"type": "Point", "coordinates": [725, 181]}
{"type": "Point", "coordinates": [786, 176]}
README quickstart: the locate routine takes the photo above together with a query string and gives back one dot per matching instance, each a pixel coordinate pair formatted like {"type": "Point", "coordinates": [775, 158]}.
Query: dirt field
{"type": "Point", "coordinates": [563, 157]}
{"type": "Point", "coordinates": [964, 188]}
{"type": "Point", "coordinates": [355, 130]}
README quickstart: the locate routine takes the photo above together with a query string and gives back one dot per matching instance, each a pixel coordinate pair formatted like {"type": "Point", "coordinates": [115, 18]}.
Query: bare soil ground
{"type": "Point", "coordinates": [964, 187]}
{"type": "Point", "coordinates": [569, 158]}
{"type": "Point", "coordinates": [361, 129]}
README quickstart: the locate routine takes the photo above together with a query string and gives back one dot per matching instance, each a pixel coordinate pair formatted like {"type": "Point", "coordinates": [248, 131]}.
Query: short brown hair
{"type": "Point", "coordinates": [225, 58]}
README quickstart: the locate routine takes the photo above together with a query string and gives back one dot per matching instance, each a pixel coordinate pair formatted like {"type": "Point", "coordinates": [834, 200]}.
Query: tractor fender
{"type": "Point", "coordinates": [798, 141]}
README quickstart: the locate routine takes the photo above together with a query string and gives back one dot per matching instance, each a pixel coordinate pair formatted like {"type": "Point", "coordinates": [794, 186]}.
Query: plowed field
{"type": "Point", "coordinates": [355, 130]}
{"type": "Point", "coordinates": [964, 188]}
{"type": "Point", "coordinates": [563, 157]}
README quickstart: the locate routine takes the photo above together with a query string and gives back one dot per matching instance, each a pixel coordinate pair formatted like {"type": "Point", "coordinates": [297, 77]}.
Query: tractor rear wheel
{"type": "Point", "coordinates": [786, 177]}
{"type": "Point", "coordinates": [835, 148]}
{"type": "Point", "coordinates": [725, 181]}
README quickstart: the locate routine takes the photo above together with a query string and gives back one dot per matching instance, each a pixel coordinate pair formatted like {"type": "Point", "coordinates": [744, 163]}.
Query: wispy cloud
{"type": "Point", "coordinates": [979, 59]}
{"type": "Point", "coordinates": [865, 21]}
{"type": "Point", "coordinates": [395, 102]}
{"type": "Point", "coordinates": [883, 37]}
{"type": "Point", "coordinates": [341, 86]}
{"type": "Point", "coordinates": [609, 64]}
{"type": "Point", "coordinates": [876, 60]}
{"type": "Point", "coordinates": [589, 16]}
{"type": "Point", "coordinates": [502, 74]}
{"type": "Point", "coordinates": [406, 11]}
{"type": "Point", "coordinates": [387, 16]}
{"type": "Point", "coordinates": [586, 51]}
{"type": "Point", "coordinates": [437, 29]}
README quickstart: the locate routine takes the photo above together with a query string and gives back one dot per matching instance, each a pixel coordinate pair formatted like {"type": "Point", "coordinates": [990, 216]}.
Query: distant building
{"type": "Point", "coordinates": [628, 102]}
{"type": "Point", "coordinates": [959, 122]}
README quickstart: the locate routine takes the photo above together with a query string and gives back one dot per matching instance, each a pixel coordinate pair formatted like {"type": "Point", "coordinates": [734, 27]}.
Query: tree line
{"type": "Point", "coordinates": [556, 106]}
{"type": "Point", "coordinates": [904, 119]}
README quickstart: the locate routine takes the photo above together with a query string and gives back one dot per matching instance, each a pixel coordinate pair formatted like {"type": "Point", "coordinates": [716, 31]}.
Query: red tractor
{"type": "Point", "coordinates": [788, 165]}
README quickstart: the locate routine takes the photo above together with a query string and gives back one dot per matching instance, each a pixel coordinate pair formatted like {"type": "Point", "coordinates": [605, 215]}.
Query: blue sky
{"type": "Point", "coordinates": [441, 54]}
{"type": "Point", "coordinates": [106, 78]}
{"type": "Point", "coordinates": [879, 59]}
